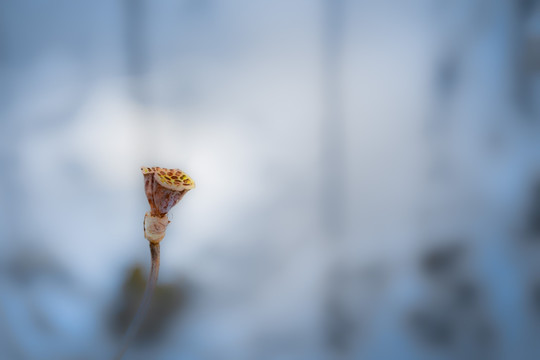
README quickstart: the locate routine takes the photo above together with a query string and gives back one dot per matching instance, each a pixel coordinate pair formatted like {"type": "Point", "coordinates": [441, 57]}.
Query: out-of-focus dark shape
{"type": "Point", "coordinates": [452, 316]}
{"type": "Point", "coordinates": [434, 327]}
{"type": "Point", "coordinates": [534, 298]}
{"type": "Point", "coordinates": [167, 302]}
{"type": "Point", "coordinates": [28, 266]}
{"type": "Point", "coordinates": [532, 221]}
{"type": "Point", "coordinates": [442, 260]}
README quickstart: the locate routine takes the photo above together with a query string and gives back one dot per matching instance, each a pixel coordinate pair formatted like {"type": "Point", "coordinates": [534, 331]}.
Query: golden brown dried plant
{"type": "Point", "coordinates": [164, 188]}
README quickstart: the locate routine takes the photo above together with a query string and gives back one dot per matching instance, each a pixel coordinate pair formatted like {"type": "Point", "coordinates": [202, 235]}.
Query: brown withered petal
{"type": "Point", "coordinates": [163, 190]}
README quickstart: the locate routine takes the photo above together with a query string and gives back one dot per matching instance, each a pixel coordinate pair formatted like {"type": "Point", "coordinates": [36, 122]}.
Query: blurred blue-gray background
{"type": "Point", "coordinates": [368, 178]}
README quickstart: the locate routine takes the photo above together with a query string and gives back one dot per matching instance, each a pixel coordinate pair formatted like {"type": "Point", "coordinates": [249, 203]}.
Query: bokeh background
{"type": "Point", "coordinates": [368, 178]}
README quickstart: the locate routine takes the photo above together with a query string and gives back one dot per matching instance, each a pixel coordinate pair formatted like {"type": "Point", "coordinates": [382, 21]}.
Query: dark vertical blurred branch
{"type": "Point", "coordinates": [135, 47]}
{"type": "Point", "coordinates": [137, 64]}
{"type": "Point", "coordinates": [526, 70]}
{"type": "Point", "coordinates": [332, 125]}
{"type": "Point", "coordinates": [450, 57]}
{"type": "Point", "coordinates": [337, 326]}
{"type": "Point", "coordinates": [11, 132]}
{"type": "Point", "coordinates": [451, 317]}
{"type": "Point", "coordinates": [447, 71]}
{"type": "Point", "coordinates": [12, 195]}
{"type": "Point", "coordinates": [526, 54]}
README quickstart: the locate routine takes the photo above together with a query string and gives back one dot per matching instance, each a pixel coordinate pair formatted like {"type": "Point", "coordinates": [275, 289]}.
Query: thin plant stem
{"type": "Point", "coordinates": [145, 303]}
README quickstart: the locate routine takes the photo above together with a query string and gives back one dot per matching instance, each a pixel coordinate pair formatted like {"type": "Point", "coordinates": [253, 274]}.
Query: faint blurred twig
{"type": "Point", "coordinates": [164, 188]}
{"type": "Point", "coordinates": [145, 303]}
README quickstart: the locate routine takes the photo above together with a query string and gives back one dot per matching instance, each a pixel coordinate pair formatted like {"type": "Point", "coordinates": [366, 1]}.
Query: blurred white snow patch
{"type": "Point", "coordinates": [104, 136]}
{"type": "Point", "coordinates": [223, 162]}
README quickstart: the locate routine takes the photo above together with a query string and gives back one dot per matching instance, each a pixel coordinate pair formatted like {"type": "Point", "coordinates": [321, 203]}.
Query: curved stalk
{"type": "Point", "coordinates": [145, 303]}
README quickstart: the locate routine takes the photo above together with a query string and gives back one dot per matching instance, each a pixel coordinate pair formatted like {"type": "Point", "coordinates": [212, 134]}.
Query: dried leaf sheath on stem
{"type": "Point", "coordinates": [164, 188]}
